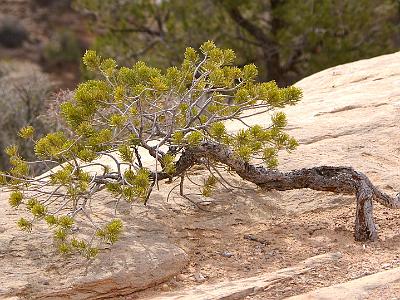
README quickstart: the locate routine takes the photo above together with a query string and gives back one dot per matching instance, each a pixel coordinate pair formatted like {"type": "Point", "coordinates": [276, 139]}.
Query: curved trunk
{"type": "Point", "coordinates": [341, 180]}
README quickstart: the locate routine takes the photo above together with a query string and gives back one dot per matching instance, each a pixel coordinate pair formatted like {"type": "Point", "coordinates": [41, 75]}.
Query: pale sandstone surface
{"type": "Point", "coordinates": [241, 288]}
{"type": "Point", "coordinates": [349, 116]}
{"type": "Point", "coordinates": [30, 266]}
{"type": "Point", "coordinates": [380, 285]}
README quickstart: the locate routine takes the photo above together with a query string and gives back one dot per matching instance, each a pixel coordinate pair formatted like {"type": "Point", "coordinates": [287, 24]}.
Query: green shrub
{"type": "Point", "coordinates": [62, 48]}
{"type": "Point", "coordinates": [23, 92]}
{"type": "Point", "coordinates": [182, 109]}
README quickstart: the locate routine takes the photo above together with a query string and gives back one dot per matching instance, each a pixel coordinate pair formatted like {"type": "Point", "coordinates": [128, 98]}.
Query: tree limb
{"type": "Point", "coordinates": [341, 180]}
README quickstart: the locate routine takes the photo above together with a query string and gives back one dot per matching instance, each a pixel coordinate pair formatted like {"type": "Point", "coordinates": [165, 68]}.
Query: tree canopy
{"type": "Point", "coordinates": [287, 39]}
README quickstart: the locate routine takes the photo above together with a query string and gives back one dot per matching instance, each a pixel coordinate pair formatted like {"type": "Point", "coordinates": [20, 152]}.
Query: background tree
{"type": "Point", "coordinates": [178, 117]}
{"type": "Point", "coordinates": [287, 39]}
{"type": "Point", "coordinates": [24, 90]}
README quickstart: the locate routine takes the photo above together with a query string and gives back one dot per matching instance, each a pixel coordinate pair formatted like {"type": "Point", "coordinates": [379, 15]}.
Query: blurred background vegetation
{"type": "Point", "coordinates": [41, 42]}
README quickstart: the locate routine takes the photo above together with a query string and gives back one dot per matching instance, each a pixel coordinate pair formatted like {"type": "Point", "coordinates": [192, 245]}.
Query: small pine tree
{"type": "Point", "coordinates": [128, 108]}
{"type": "Point", "coordinates": [182, 110]}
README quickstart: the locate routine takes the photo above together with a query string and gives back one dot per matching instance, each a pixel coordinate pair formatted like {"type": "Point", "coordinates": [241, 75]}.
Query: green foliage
{"type": "Point", "coordinates": [19, 168]}
{"type": "Point", "coordinates": [166, 113]}
{"type": "Point", "coordinates": [38, 210]}
{"type": "Point", "coordinates": [218, 131]}
{"type": "Point", "coordinates": [65, 222]}
{"type": "Point", "coordinates": [114, 188]}
{"type": "Point", "coordinates": [15, 199]}
{"type": "Point", "coordinates": [177, 137]}
{"type": "Point", "coordinates": [63, 176]}
{"type": "Point", "coordinates": [91, 252]}
{"type": "Point", "coordinates": [208, 186]}
{"type": "Point", "coordinates": [24, 224]}
{"type": "Point", "coordinates": [62, 48]}
{"type": "Point", "coordinates": [82, 247]}
{"type": "Point", "coordinates": [52, 145]}
{"type": "Point", "coordinates": [26, 132]}
{"type": "Point", "coordinates": [60, 234]}
{"type": "Point", "coordinates": [117, 120]}
{"type": "Point", "coordinates": [270, 156]}
{"type": "Point", "coordinates": [250, 72]}
{"type": "Point", "coordinates": [91, 60]}
{"type": "Point", "coordinates": [287, 40]}
{"type": "Point", "coordinates": [139, 184]}
{"type": "Point", "coordinates": [87, 155]}
{"type": "Point", "coordinates": [108, 67]}
{"type": "Point", "coordinates": [89, 96]}
{"type": "Point", "coordinates": [126, 153]}
{"type": "Point", "coordinates": [51, 220]}
{"type": "Point", "coordinates": [31, 203]}
{"type": "Point", "coordinates": [111, 232]}
{"type": "Point", "coordinates": [11, 150]}
{"type": "Point", "coordinates": [194, 138]}
{"type": "Point", "coordinates": [169, 164]}
{"type": "Point", "coordinates": [64, 248]}
{"type": "Point", "coordinates": [3, 178]}
{"type": "Point", "coordinates": [78, 244]}
{"type": "Point", "coordinates": [64, 239]}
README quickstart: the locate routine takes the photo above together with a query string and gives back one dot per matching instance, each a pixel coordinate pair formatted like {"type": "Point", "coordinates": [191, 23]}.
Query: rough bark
{"type": "Point", "coordinates": [341, 180]}
{"type": "Point", "coordinates": [268, 45]}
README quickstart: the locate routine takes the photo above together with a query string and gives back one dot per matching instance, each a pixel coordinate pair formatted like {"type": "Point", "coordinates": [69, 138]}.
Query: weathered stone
{"type": "Point", "coordinates": [238, 289]}
{"type": "Point", "coordinates": [349, 116]}
{"type": "Point", "coordinates": [31, 267]}
{"type": "Point", "coordinates": [354, 289]}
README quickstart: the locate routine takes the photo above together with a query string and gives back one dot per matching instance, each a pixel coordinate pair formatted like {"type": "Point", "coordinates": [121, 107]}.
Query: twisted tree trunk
{"type": "Point", "coordinates": [341, 180]}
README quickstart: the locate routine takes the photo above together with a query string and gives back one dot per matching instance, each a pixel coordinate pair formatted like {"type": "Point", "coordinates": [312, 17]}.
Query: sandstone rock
{"type": "Point", "coordinates": [181, 277]}
{"type": "Point", "coordinates": [240, 288]}
{"type": "Point", "coordinates": [361, 288]}
{"type": "Point", "coordinates": [199, 277]}
{"type": "Point", "coordinates": [349, 116]}
{"type": "Point", "coordinates": [30, 266]}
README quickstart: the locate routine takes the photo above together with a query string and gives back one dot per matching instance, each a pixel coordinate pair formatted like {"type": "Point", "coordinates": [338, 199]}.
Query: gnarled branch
{"type": "Point", "coordinates": [341, 180]}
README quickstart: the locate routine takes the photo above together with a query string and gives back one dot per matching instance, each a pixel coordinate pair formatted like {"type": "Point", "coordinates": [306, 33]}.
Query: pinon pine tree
{"type": "Point", "coordinates": [178, 117]}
